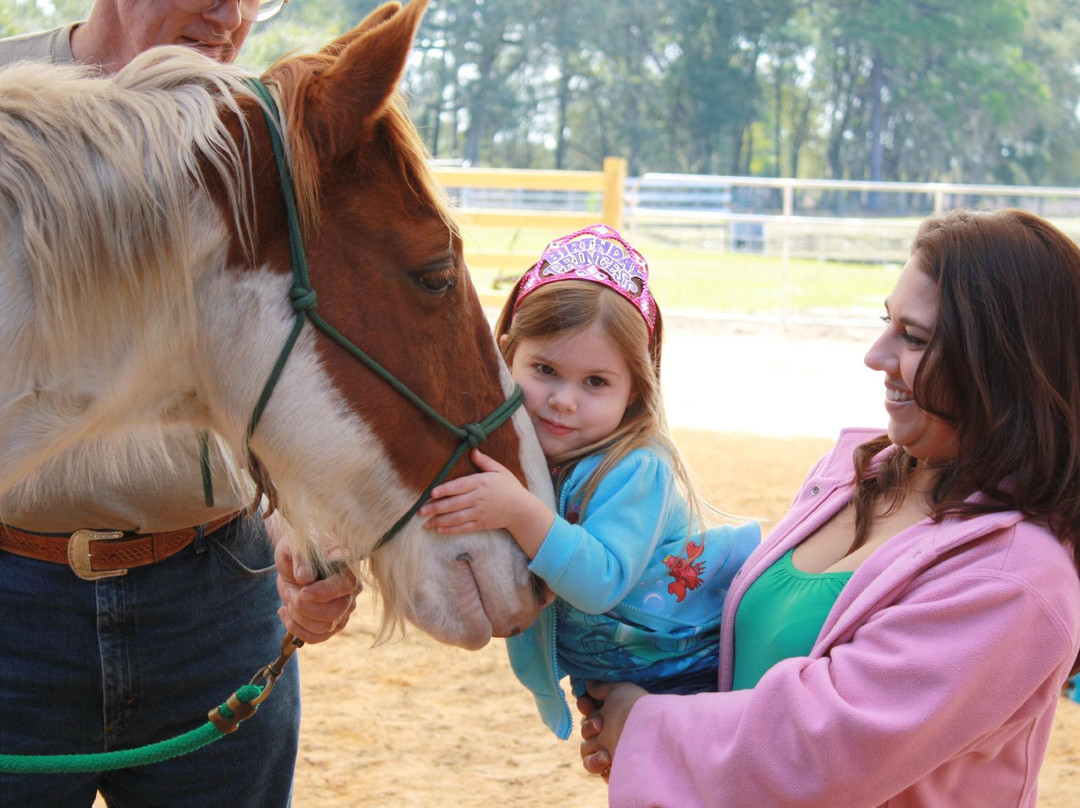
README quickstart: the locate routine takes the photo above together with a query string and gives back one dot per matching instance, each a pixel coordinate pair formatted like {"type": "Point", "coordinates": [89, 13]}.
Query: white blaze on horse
{"type": "Point", "coordinates": [145, 281]}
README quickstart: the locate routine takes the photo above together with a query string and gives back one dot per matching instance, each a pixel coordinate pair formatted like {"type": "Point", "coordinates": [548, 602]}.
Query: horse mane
{"type": "Point", "coordinates": [96, 187]}
{"type": "Point", "coordinates": [414, 156]}
{"type": "Point", "coordinates": [394, 124]}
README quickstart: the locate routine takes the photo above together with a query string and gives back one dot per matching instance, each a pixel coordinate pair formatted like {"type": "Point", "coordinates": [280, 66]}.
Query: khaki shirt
{"type": "Point", "coordinates": [45, 46]}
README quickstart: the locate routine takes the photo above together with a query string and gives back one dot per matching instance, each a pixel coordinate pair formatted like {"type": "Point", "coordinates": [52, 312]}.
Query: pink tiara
{"type": "Point", "coordinates": [598, 254]}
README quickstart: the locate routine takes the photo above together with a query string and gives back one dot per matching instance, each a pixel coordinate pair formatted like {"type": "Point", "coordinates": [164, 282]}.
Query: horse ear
{"type": "Point", "coordinates": [379, 15]}
{"type": "Point", "coordinates": [357, 87]}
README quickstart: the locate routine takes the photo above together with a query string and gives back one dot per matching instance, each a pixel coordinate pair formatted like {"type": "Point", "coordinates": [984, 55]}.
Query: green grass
{"type": "Point", "coordinates": [716, 281]}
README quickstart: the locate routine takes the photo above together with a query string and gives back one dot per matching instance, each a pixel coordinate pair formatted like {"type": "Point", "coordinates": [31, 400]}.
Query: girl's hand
{"type": "Point", "coordinates": [606, 708]}
{"type": "Point", "coordinates": [493, 499]}
{"type": "Point", "coordinates": [484, 501]}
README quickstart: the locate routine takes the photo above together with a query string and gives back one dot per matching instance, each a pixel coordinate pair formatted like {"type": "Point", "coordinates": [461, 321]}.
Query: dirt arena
{"type": "Point", "coordinates": [413, 724]}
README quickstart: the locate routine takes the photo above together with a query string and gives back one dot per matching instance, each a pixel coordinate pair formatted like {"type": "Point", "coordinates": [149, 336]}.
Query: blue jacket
{"type": "Point", "coordinates": [639, 596]}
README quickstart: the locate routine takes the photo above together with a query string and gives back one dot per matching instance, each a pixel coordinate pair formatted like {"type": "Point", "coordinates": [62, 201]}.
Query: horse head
{"type": "Point", "coordinates": [209, 302]}
{"type": "Point", "coordinates": [347, 452]}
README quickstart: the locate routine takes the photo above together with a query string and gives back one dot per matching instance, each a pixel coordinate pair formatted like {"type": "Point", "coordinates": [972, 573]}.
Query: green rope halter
{"type": "Point", "coordinates": [303, 301]}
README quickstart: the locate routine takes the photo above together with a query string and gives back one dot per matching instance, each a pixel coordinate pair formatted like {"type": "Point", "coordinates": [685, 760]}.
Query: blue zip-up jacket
{"type": "Point", "coordinates": [639, 596]}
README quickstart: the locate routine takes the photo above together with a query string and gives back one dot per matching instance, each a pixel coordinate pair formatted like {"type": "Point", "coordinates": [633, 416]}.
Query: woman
{"type": "Point", "coordinates": [903, 635]}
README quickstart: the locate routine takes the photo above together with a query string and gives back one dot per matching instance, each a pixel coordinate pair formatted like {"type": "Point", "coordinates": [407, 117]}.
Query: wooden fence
{"type": "Point", "coordinates": [600, 194]}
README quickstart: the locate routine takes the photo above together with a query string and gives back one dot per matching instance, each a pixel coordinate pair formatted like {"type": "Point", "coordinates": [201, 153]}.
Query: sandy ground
{"type": "Point", "coordinates": [413, 724]}
{"type": "Point", "coordinates": [416, 724]}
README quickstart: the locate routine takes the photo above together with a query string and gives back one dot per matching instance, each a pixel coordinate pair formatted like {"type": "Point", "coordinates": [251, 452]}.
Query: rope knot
{"type": "Point", "coordinates": [475, 434]}
{"type": "Point", "coordinates": [302, 299]}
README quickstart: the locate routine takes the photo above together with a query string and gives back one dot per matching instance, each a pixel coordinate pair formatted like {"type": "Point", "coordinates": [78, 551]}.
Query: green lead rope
{"type": "Point", "coordinates": [241, 705]}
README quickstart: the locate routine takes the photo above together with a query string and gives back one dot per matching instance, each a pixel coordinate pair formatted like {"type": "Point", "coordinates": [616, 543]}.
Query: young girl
{"type": "Point", "coordinates": [639, 585]}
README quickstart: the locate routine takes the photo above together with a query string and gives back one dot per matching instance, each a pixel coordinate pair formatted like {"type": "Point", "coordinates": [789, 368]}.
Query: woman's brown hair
{"type": "Point", "coordinates": [1002, 369]}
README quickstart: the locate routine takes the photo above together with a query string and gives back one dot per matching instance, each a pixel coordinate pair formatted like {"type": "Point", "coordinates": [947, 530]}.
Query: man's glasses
{"type": "Point", "coordinates": [250, 10]}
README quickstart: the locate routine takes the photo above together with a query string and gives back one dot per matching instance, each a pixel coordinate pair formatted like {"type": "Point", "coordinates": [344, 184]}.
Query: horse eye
{"type": "Point", "coordinates": [437, 281]}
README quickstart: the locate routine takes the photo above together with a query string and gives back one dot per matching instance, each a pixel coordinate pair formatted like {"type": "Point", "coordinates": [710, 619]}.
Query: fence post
{"type": "Point", "coordinates": [785, 246]}
{"type": "Point", "coordinates": [611, 205]}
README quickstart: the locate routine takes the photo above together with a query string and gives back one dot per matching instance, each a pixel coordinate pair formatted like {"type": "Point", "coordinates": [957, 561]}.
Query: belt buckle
{"type": "Point", "coordinates": [78, 553]}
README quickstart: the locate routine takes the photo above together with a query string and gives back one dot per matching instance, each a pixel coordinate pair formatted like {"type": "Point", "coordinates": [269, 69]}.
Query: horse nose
{"type": "Point", "coordinates": [543, 596]}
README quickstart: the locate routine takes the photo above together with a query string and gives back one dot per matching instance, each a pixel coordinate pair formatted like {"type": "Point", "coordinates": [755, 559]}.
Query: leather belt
{"type": "Point", "coordinates": [94, 554]}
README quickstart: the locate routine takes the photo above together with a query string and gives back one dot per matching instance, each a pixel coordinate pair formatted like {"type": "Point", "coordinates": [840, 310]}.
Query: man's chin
{"type": "Point", "coordinates": [225, 53]}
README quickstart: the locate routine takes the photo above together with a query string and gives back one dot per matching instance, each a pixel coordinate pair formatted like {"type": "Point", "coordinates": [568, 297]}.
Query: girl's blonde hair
{"type": "Point", "coordinates": [571, 306]}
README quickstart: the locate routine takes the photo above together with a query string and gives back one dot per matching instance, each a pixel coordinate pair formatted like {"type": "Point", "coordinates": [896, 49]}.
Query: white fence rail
{"type": "Point", "coordinates": [836, 220]}
{"type": "Point", "coordinates": [797, 250]}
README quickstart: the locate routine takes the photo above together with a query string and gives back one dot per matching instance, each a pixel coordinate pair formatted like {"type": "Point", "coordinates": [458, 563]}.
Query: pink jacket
{"type": "Point", "coordinates": [933, 683]}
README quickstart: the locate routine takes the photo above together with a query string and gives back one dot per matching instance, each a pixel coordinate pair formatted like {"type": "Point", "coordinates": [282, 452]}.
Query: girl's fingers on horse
{"type": "Point", "coordinates": [453, 517]}
{"type": "Point", "coordinates": [447, 503]}
{"type": "Point", "coordinates": [437, 521]}
{"type": "Point", "coordinates": [459, 485]}
{"type": "Point", "coordinates": [434, 507]}
{"type": "Point", "coordinates": [485, 463]}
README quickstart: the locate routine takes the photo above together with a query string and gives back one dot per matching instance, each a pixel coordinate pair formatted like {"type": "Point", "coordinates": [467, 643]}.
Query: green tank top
{"type": "Point", "coordinates": [780, 616]}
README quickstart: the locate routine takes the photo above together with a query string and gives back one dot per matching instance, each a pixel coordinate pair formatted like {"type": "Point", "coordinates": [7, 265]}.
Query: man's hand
{"type": "Point", "coordinates": [313, 610]}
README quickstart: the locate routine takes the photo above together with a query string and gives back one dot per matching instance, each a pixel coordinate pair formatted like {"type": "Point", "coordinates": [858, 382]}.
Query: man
{"type": "Point", "coordinates": [119, 30]}
{"type": "Point", "coordinates": [119, 662]}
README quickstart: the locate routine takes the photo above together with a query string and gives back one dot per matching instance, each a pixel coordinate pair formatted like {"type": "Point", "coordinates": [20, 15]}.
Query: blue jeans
{"type": "Point", "coordinates": [92, 666]}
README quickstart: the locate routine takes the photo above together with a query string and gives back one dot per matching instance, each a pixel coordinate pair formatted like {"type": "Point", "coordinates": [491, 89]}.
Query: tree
{"type": "Point", "coordinates": [917, 89]}
{"type": "Point", "coordinates": [959, 90]}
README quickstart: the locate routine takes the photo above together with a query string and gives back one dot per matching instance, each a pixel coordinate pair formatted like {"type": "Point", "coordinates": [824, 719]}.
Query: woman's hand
{"type": "Point", "coordinates": [606, 707]}
{"type": "Point", "coordinates": [313, 610]}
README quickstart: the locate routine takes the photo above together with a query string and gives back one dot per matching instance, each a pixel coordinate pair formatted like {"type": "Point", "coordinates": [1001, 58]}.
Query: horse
{"type": "Point", "coordinates": [147, 288]}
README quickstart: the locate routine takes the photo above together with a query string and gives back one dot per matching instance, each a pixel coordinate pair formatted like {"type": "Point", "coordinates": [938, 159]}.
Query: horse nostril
{"type": "Point", "coordinates": [514, 631]}
{"type": "Point", "coordinates": [465, 557]}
